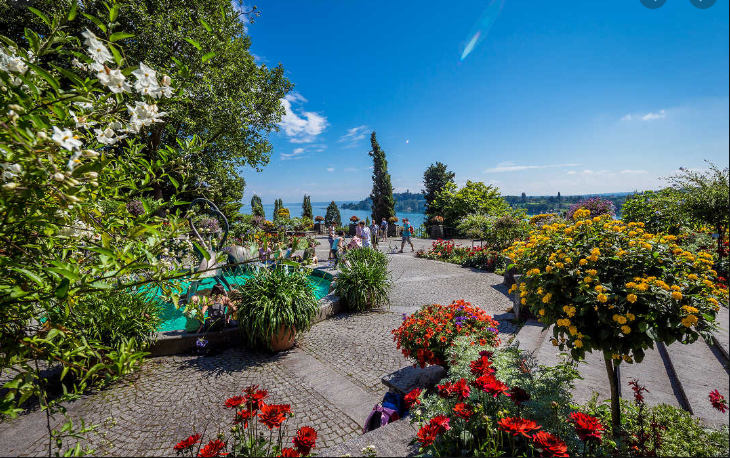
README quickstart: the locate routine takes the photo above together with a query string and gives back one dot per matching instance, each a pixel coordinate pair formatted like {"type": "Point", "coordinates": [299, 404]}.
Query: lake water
{"type": "Point", "coordinates": [320, 208]}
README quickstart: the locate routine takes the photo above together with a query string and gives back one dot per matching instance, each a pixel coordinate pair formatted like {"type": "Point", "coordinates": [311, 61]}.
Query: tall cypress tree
{"type": "Point", "coordinates": [307, 207]}
{"type": "Point", "coordinates": [277, 206]}
{"type": "Point", "coordinates": [382, 195]}
{"type": "Point", "coordinates": [257, 208]}
{"type": "Point", "coordinates": [332, 215]}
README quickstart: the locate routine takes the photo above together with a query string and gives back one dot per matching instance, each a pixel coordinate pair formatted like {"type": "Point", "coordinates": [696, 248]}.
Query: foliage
{"type": "Point", "coordinates": [497, 231]}
{"type": "Point", "coordinates": [545, 218]}
{"type": "Point", "coordinates": [307, 207]}
{"type": "Point", "coordinates": [474, 198]}
{"type": "Point", "coordinates": [245, 226]}
{"type": "Point", "coordinates": [332, 215]}
{"type": "Point", "coordinates": [274, 298]}
{"type": "Point", "coordinates": [363, 281]}
{"type": "Point", "coordinates": [393, 219]}
{"type": "Point", "coordinates": [282, 213]}
{"type": "Point", "coordinates": [257, 208]}
{"type": "Point", "coordinates": [659, 211]}
{"type": "Point", "coordinates": [434, 179]}
{"type": "Point", "coordinates": [597, 206]}
{"type": "Point", "coordinates": [246, 439]}
{"type": "Point", "coordinates": [382, 194]}
{"type": "Point", "coordinates": [705, 198]}
{"type": "Point", "coordinates": [429, 334]}
{"type": "Point", "coordinates": [478, 257]}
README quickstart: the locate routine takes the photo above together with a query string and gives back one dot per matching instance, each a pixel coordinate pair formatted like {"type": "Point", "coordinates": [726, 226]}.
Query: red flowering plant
{"type": "Point", "coordinates": [428, 335]}
{"type": "Point", "coordinates": [479, 257]}
{"type": "Point", "coordinates": [253, 418]}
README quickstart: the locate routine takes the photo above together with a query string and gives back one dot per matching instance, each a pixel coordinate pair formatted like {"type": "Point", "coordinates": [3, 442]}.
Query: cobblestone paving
{"type": "Point", "coordinates": [172, 396]}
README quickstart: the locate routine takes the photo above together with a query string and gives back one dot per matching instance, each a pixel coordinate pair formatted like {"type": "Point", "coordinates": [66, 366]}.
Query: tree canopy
{"type": "Point", "coordinates": [434, 179]}
{"type": "Point", "coordinates": [475, 197]}
{"type": "Point", "coordinates": [382, 194]}
{"type": "Point", "coordinates": [332, 215]}
{"type": "Point", "coordinates": [307, 207]}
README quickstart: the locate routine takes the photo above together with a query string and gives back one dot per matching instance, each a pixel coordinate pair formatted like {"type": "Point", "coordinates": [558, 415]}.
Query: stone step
{"type": "Point", "coordinates": [701, 368]}
{"type": "Point", "coordinates": [656, 374]}
{"type": "Point", "coordinates": [720, 336]}
{"type": "Point", "coordinates": [531, 335]}
{"type": "Point", "coordinates": [390, 440]}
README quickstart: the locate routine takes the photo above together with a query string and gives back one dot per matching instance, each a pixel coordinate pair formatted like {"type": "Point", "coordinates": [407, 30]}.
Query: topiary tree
{"type": "Point", "coordinates": [307, 207]}
{"type": "Point", "coordinates": [332, 215]}
{"type": "Point", "coordinates": [382, 194]}
{"type": "Point", "coordinates": [608, 286]}
{"type": "Point", "coordinates": [257, 208]}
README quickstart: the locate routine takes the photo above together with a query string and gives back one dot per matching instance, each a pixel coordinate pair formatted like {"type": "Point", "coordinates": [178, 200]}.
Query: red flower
{"type": "Point", "coordinates": [213, 449]}
{"type": "Point", "coordinates": [586, 426]}
{"type": "Point", "coordinates": [638, 390]}
{"type": "Point", "coordinates": [516, 426]}
{"type": "Point", "coordinates": [274, 415]}
{"type": "Point", "coordinates": [463, 410]}
{"type": "Point", "coordinates": [235, 401]}
{"type": "Point", "coordinates": [519, 396]}
{"type": "Point", "coordinates": [412, 397]}
{"type": "Point", "coordinates": [244, 416]}
{"type": "Point", "coordinates": [718, 401]}
{"type": "Point", "coordinates": [549, 445]}
{"type": "Point", "coordinates": [426, 435]}
{"type": "Point", "coordinates": [481, 366]}
{"type": "Point", "coordinates": [288, 451]}
{"type": "Point", "coordinates": [305, 440]}
{"type": "Point", "coordinates": [441, 423]}
{"type": "Point", "coordinates": [461, 389]}
{"type": "Point", "coordinates": [187, 443]}
{"type": "Point", "coordinates": [491, 385]}
{"type": "Point", "coordinates": [445, 390]}
{"type": "Point", "coordinates": [256, 397]}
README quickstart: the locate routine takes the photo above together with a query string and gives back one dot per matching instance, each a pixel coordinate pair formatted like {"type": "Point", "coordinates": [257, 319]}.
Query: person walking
{"type": "Point", "coordinates": [331, 238]}
{"type": "Point", "coordinates": [384, 230]}
{"type": "Point", "coordinates": [365, 235]}
{"type": "Point", "coordinates": [406, 236]}
{"type": "Point", "coordinates": [374, 229]}
{"type": "Point", "coordinates": [338, 243]}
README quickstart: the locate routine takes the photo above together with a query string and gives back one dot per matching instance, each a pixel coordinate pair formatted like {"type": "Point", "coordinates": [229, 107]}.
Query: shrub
{"type": "Point", "coordinates": [363, 281]}
{"type": "Point", "coordinates": [659, 211]}
{"type": "Point", "coordinates": [273, 298]}
{"type": "Point", "coordinates": [474, 226]}
{"type": "Point", "coordinates": [428, 334]}
{"type": "Point", "coordinates": [596, 205]}
{"type": "Point", "coordinates": [544, 218]}
{"type": "Point", "coordinates": [478, 257]}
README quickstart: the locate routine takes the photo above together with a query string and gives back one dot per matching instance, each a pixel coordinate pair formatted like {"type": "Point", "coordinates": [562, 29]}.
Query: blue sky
{"type": "Point", "coordinates": [566, 96]}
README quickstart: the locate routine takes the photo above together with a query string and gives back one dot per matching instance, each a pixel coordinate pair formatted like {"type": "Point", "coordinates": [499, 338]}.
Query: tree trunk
{"type": "Point", "coordinates": [613, 378]}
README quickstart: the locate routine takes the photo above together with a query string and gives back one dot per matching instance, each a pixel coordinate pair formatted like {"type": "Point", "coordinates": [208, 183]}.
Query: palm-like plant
{"type": "Point", "coordinates": [272, 299]}
{"type": "Point", "coordinates": [365, 282]}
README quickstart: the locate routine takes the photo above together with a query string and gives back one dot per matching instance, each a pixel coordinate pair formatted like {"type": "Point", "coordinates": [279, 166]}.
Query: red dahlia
{"type": "Point", "coordinates": [481, 366]}
{"type": "Point", "coordinates": [461, 389]}
{"type": "Point", "coordinates": [491, 385]}
{"type": "Point", "coordinates": [235, 401]}
{"type": "Point", "coordinates": [463, 410]}
{"type": "Point", "coordinates": [548, 445]}
{"type": "Point", "coordinates": [445, 390]}
{"type": "Point", "coordinates": [305, 440]}
{"type": "Point", "coordinates": [412, 397]}
{"type": "Point", "coordinates": [441, 423]}
{"type": "Point", "coordinates": [213, 448]}
{"type": "Point", "coordinates": [519, 396]}
{"type": "Point", "coordinates": [288, 451]}
{"type": "Point", "coordinates": [516, 426]}
{"type": "Point", "coordinates": [273, 415]}
{"type": "Point", "coordinates": [187, 443]}
{"type": "Point", "coordinates": [718, 401]}
{"type": "Point", "coordinates": [256, 398]}
{"type": "Point", "coordinates": [427, 434]}
{"type": "Point", "coordinates": [244, 416]}
{"type": "Point", "coordinates": [586, 426]}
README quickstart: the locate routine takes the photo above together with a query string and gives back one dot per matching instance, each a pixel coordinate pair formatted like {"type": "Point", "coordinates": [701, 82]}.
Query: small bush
{"type": "Point", "coordinates": [363, 280]}
{"type": "Point", "coordinates": [596, 205]}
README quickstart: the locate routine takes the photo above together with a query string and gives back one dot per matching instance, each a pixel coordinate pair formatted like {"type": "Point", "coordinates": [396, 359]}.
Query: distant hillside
{"type": "Point", "coordinates": [405, 202]}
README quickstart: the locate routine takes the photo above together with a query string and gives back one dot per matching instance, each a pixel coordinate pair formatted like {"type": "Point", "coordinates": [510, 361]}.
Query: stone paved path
{"type": "Point", "coordinates": [331, 378]}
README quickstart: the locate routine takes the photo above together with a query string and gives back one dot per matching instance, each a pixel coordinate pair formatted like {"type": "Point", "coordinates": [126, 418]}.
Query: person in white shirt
{"type": "Point", "coordinates": [374, 229]}
{"type": "Point", "coordinates": [365, 235]}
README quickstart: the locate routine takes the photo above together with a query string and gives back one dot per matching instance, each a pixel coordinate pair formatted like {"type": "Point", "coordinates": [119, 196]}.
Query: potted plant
{"type": "Point", "coordinates": [392, 227]}
{"type": "Point", "coordinates": [437, 228]}
{"type": "Point", "coordinates": [318, 224]}
{"type": "Point", "coordinates": [363, 282]}
{"type": "Point", "coordinates": [353, 225]}
{"type": "Point", "coordinates": [273, 306]}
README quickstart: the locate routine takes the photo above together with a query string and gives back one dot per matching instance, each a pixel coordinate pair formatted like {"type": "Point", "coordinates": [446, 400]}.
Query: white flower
{"type": "Point", "coordinates": [17, 65]}
{"type": "Point", "coordinates": [9, 186]}
{"type": "Point", "coordinates": [74, 160]}
{"type": "Point", "coordinates": [107, 136]}
{"type": "Point", "coordinates": [143, 114]}
{"type": "Point", "coordinates": [117, 83]}
{"type": "Point", "coordinates": [166, 81]}
{"type": "Point", "coordinates": [81, 121]}
{"type": "Point", "coordinates": [89, 153]}
{"type": "Point", "coordinates": [41, 135]}
{"type": "Point", "coordinates": [96, 48]}
{"type": "Point", "coordinates": [76, 63]}
{"type": "Point", "coordinates": [65, 139]}
{"type": "Point", "coordinates": [58, 176]}
{"type": "Point", "coordinates": [143, 88]}
{"type": "Point", "coordinates": [11, 171]}
{"type": "Point", "coordinates": [146, 75]}
{"type": "Point", "coordinates": [84, 105]}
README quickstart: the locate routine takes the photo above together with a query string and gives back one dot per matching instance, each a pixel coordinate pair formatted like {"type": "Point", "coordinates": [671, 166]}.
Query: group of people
{"type": "Point", "coordinates": [365, 237]}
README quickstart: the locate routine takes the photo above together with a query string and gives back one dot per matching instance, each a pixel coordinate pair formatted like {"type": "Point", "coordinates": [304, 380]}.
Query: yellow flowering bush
{"type": "Point", "coordinates": [612, 287]}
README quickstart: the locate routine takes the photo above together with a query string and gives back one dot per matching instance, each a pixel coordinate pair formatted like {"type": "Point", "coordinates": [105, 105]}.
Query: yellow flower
{"type": "Point", "coordinates": [583, 262]}
{"type": "Point", "coordinates": [676, 295]}
{"type": "Point", "coordinates": [676, 288]}
{"type": "Point", "coordinates": [631, 285]}
{"type": "Point", "coordinates": [593, 272]}
{"type": "Point", "coordinates": [549, 269]}
{"type": "Point", "coordinates": [632, 233]}
{"type": "Point", "coordinates": [632, 243]}
{"type": "Point", "coordinates": [627, 358]}
{"type": "Point", "coordinates": [546, 298]}
{"type": "Point", "coordinates": [689, 309]}
{"type": "Point", "coordinates": [621, 319]}
{"type": "Point", "coordinates": [523, 301]}
{"type": "Point", "coordinates": [559, 265]}
{"type": "Point", "coordinates": [596, 219]}
{"type": "Point", "coordinates": [689, 320]}
{"type": "Point", "coordinates": [602, 298]}
{"type": "Point", "coordinates": [692, 277]}
{"type": "Point", "coordinates": [646, 246]}
{"type": "Point", "coordinates": [620, 253]}
{"type": "Point", "coordinates": [570, 311]}
{"type": "Point", "coordinates": [554, 342]}
{"type": "Point", "coordinates": [588, 279]}
{"type": "Point", "coordinates": [542, 312]}
{"type": "Point", "coordinates": [593, 258]}
{"type": "Point", "coordinates": [578, 344]}
{"type": "Point", "coordinates": [625, 329]}
{"type": "Point", "coordinates": [630, 316]}
{"type": "Point", "coordinates": [713, 300]}
{"type": "Point", "coordinates": [512, 288]}
{"type": "Point", "coordinates": [631, 298]}
{"type": "Point", "coordinates": [642, 287]}
{"type": "Point", "coordinates": [615, 356]}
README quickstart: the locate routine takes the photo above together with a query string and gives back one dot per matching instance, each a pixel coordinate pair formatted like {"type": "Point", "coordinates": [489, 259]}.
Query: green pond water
{"type": "Point", "coordinates": [173, 319]}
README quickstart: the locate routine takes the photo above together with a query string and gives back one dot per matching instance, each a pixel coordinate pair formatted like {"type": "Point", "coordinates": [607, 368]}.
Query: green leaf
{"type": "Point", "coordinates": [71, 275]}
{"type": "Point", "coordinates": [194, 43]}
{"type": "Point", "coordinates": [113, 13]}
{"type": "Point", "coordinates": [43, 17]}
{"type": "Point", "coordinates": [100, 250]}
{"type": "Point", "coordinates": [29, 274]}
{"type": "Point", "coordinates": [173, 181]}
{"type": "Point", "coordinates": [62, 290]}
{"type": "Point", "coordinates": [116, 36]}
{"type": "Point", "coordinates": [202, 250]}
{"type": "Point", "coordinates": [96, 21]}
{"type": "Point", "coordinates": [208, 56]}
{"type": "Point", "coordinates": [74, 10]}
{"type": "Point", "coordinates": [117, 55]}
{"type": "Point", "coordinates": [206, 26]}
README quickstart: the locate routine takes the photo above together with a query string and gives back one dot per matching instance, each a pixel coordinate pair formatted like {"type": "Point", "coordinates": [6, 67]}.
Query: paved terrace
{"type": "Point", "coordinates": [331, 378]}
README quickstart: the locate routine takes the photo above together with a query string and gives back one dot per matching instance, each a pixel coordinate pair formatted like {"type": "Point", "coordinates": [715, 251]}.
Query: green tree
{"type": "Point", "coordinates": [434, 179]}
{"type": "Point", "coordinates": [382, 194]}
{"type": "Point", "coordinates": [475, 197]}
{"type": "Point", "coordinates": [257, 208]}
{"type": "Point", "coordinates": [705, 197]}
{"type": "Point", "coordinates": [307, 207]}
{"type": "Point", "coordinates": [234, 103]}
{"type": "Point", "coordinates": [332, 215]}
{"type": "Point", "coordinates": [277, 206]}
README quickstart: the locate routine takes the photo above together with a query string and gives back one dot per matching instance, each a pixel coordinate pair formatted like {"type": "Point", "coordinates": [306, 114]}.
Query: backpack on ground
{"type": "Point", "coordinates": [390, 409]}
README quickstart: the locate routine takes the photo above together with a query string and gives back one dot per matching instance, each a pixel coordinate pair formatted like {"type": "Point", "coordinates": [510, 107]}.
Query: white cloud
{"type": "Point", "coordinates": [633, 172]}
{"type": "Point", "coordinates": [330, 169]}
{"type": "Point", "coordinates": [661, 114]}
{"type": "Point", "coordinates": [354, 135]}
{"type": "Point", "coordinates": [510, 167]}
{"type": "Point", "coordinates": [301, 126]}
{"type": "Point", "coordinates": [302, 152]}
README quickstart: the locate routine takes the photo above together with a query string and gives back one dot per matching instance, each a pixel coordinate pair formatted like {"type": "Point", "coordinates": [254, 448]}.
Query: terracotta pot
{"type": "Point", "coordinates": [284, 339]}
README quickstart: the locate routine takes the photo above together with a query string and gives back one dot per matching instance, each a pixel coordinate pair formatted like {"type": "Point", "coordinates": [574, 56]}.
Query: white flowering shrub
{"type": "Point", "coordinates": [71, 111]}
